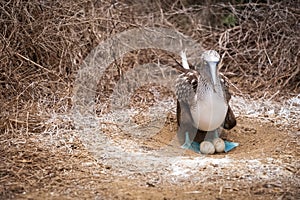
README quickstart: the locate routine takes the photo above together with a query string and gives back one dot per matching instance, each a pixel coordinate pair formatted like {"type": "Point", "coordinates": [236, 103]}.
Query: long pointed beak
{"type": "Point", "coordinates": [213, 70]}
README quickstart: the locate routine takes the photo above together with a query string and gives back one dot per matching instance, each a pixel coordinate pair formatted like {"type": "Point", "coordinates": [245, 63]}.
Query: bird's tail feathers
{"type": "Point", "coordinates": [185, 63]}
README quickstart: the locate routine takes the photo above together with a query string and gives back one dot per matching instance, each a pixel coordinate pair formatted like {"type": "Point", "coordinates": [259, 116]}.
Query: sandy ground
{"type": "Point", "coordinates": [264, 166]}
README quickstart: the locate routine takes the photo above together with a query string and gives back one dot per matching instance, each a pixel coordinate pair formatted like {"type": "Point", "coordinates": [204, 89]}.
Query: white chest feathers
{"type": "Point", "coordinates": [209, 113]}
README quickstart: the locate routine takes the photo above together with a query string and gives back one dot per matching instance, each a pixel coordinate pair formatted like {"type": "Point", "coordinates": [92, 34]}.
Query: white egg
{"type": "Point", "coordinates": [207, 147]}
{"type": "Point", "coordinates": [219, 145]}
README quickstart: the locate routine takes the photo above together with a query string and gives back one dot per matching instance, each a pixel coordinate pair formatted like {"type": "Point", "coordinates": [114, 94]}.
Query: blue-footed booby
{"type": "Point", "coordinates": [202, 106]}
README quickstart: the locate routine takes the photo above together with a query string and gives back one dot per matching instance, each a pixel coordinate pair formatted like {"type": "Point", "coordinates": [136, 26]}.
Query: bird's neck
{"type": "Point", "coordinates": [206, 87]}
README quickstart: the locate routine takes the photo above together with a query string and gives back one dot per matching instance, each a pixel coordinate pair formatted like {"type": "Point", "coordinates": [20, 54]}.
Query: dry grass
{"type": "Point", "coordinates": [43, 44]}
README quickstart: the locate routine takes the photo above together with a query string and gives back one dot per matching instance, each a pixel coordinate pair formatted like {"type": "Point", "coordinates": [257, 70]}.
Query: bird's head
{"type": "Point", "coordinates": [211, 58]}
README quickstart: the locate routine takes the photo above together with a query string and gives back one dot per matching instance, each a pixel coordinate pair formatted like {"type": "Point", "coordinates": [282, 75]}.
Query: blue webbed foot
{"type": "Point", "coordinates": [188, 144]}
{"type": "Point", "coordinates": [230, 145]}
{"type": "Point", "coordinates": [195, 146]}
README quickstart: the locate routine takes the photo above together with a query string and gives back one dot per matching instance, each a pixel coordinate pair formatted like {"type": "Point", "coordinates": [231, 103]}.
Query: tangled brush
{"type": "Point", "coordinates": [43, 44]}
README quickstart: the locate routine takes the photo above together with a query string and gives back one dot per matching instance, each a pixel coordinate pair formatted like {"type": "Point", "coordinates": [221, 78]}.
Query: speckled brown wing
{"type": "Point", "coordinates": [186, 85]}
{"type": "Point", "coordinates": [230, 120]}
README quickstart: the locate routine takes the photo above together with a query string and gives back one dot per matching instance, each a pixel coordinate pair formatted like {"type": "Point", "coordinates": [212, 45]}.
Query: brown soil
{"type": "Point", "coordinates": [264, 166]}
